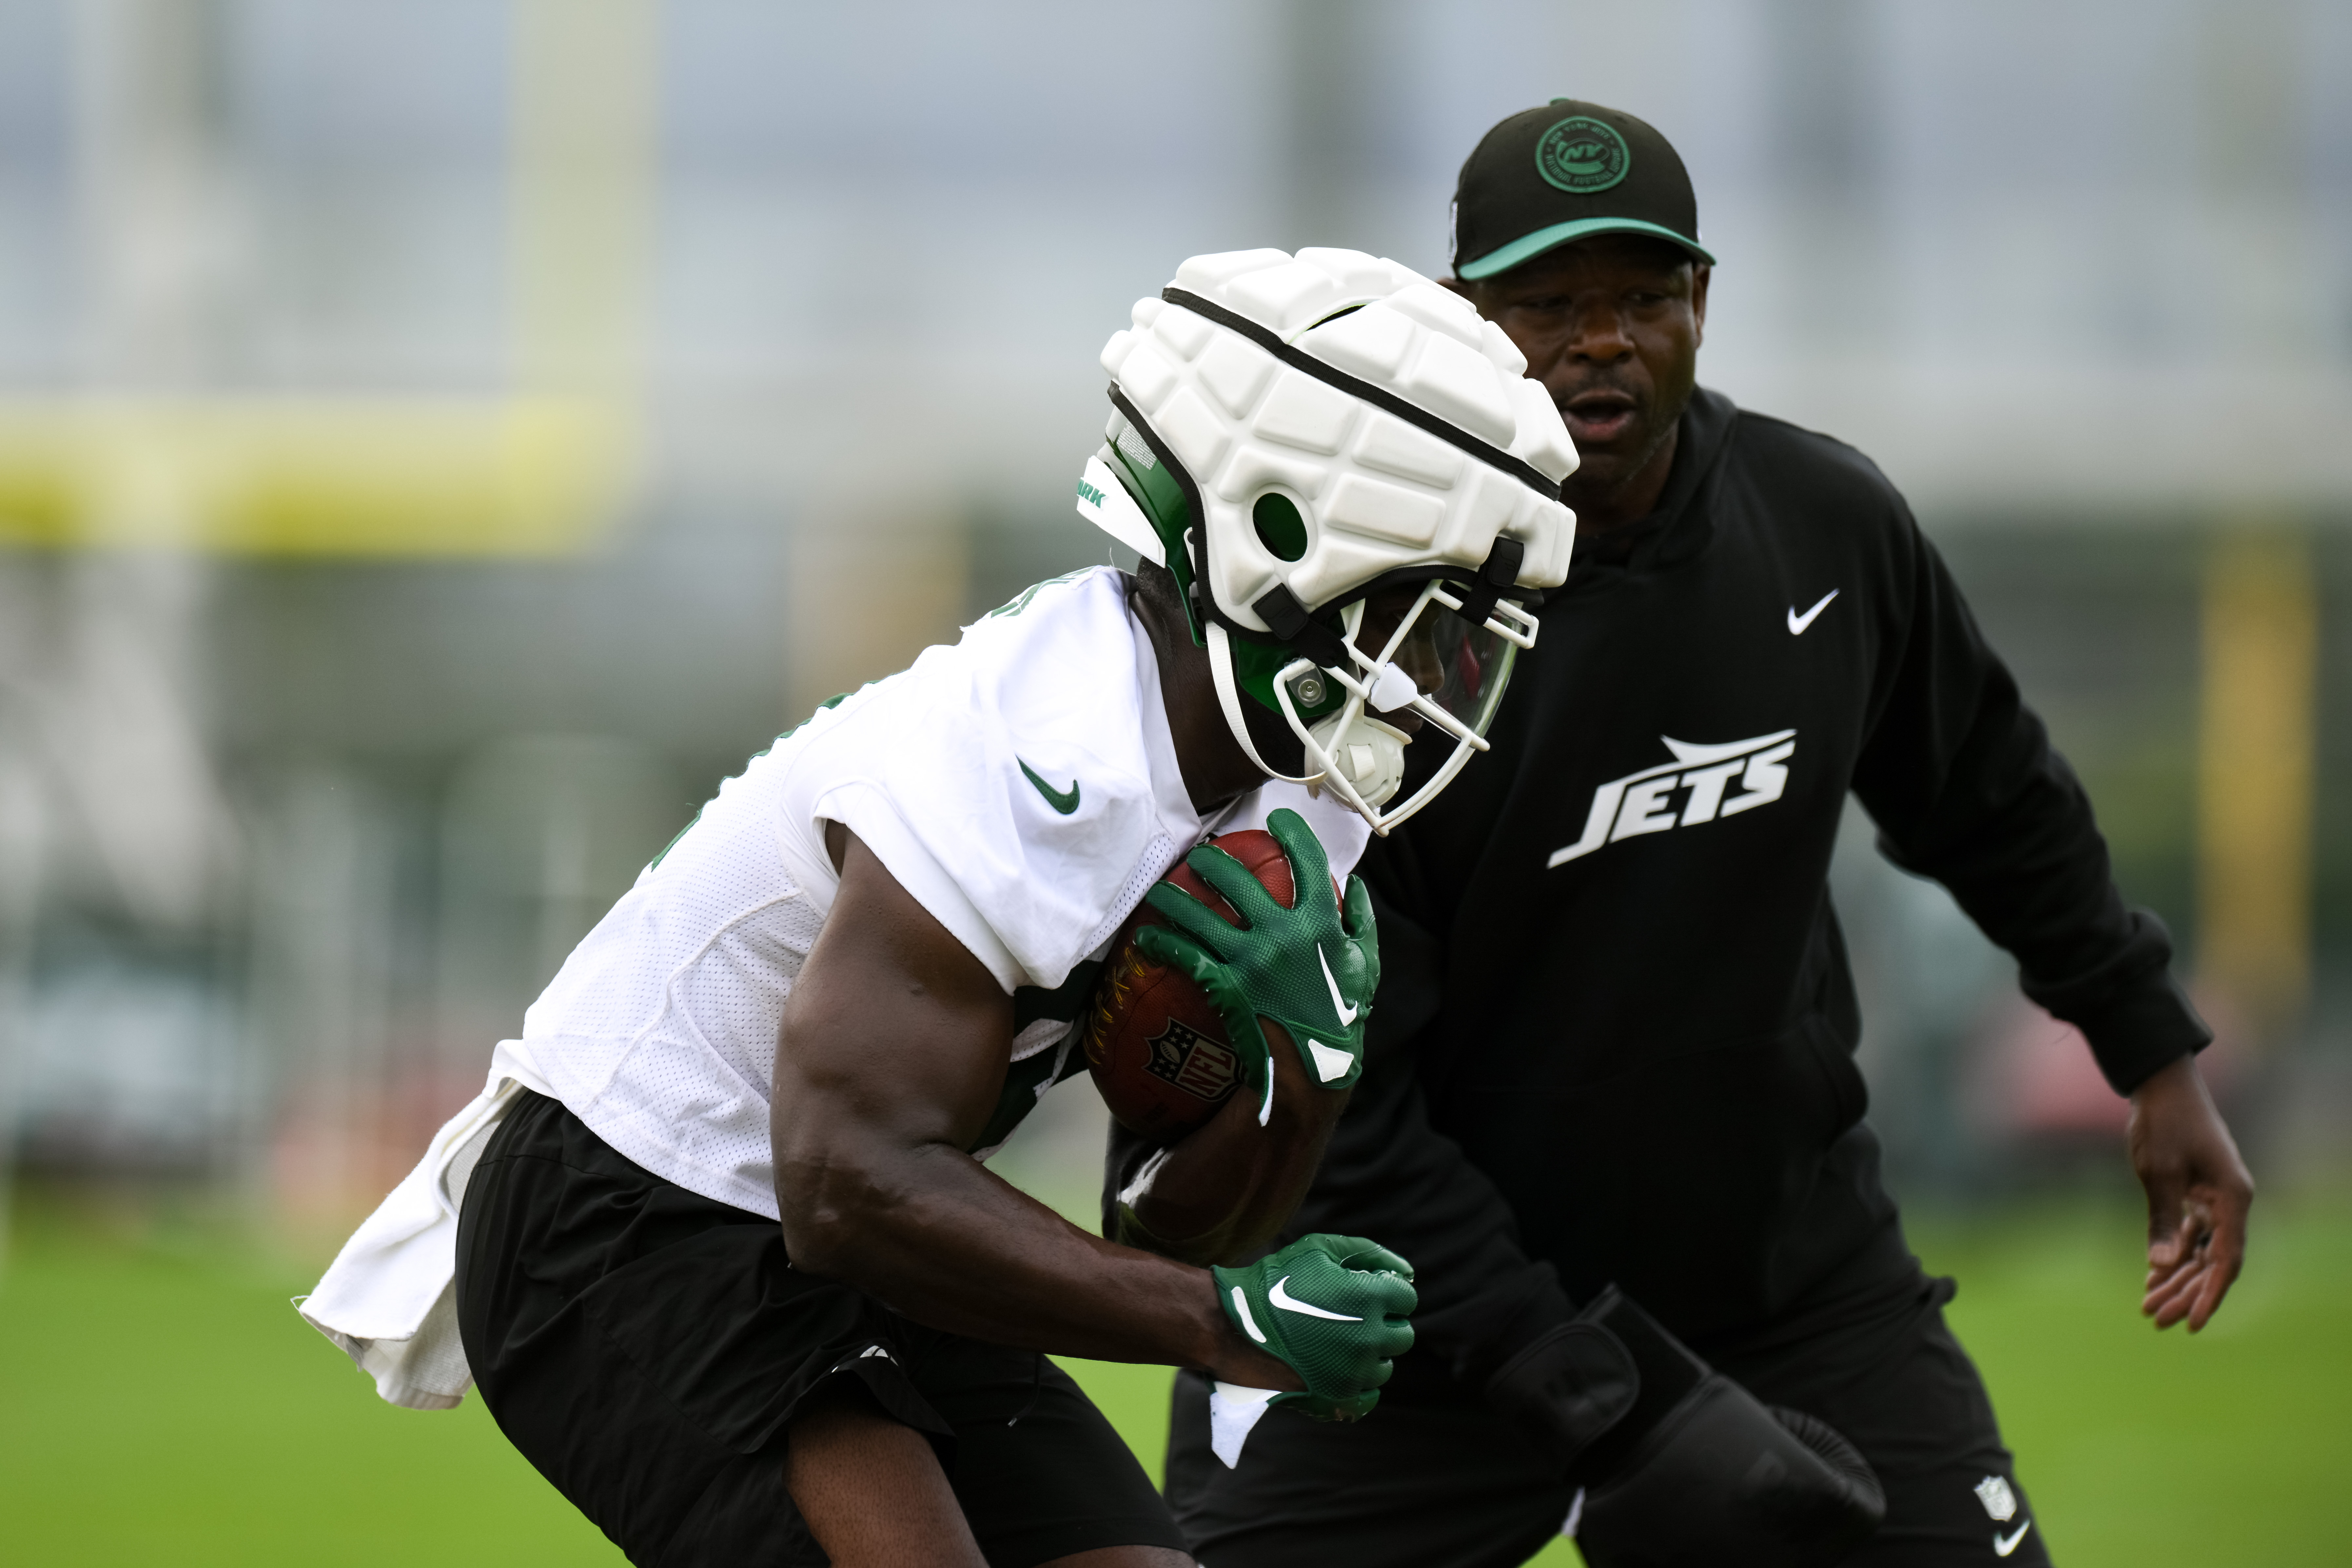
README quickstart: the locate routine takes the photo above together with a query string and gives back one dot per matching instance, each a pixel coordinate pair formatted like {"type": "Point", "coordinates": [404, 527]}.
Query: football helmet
{"type": "Point", "coordinates": [1358, 491]}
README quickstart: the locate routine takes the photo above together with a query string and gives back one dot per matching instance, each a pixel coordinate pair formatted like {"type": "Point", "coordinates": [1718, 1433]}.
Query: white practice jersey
{"type": "Point", "coordinates": [1020, 785]}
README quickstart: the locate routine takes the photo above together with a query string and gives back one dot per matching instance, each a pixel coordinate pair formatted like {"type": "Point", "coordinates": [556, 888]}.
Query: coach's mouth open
{"type": "Point", "coordinates": [1596, 418]}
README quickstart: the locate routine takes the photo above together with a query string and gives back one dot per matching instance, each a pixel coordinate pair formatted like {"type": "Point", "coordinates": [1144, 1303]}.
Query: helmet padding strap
{"type": "Point", "coordinates": [1496, 578]}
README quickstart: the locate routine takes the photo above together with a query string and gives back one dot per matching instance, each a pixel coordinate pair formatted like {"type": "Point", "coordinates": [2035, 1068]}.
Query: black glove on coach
{"type": "Point", "coordinates": [1682, 1466]}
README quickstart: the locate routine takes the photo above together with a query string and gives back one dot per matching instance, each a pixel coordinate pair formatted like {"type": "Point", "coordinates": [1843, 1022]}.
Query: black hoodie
{"type": "Point", "coordinates": [1615, 1030]}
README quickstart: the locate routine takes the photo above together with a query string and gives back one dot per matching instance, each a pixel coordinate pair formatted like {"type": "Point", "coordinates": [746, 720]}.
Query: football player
{"type": "Point", "coordinates": [719, 1241]}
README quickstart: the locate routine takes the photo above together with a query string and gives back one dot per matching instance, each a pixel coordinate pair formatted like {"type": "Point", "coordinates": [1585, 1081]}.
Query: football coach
{"type": "Point", "coordinates": [1612, 1108]}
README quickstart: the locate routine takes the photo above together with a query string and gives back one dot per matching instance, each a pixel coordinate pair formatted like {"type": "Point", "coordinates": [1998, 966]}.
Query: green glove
{"type": "Point", "coordinates": [1301, 967]}
{"type": "Point", "coordinates": [1331, 1308]}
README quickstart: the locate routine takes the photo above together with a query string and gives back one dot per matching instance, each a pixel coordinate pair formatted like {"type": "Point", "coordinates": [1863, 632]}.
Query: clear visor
{"type": "Point", "coordinates": [1420, 668]}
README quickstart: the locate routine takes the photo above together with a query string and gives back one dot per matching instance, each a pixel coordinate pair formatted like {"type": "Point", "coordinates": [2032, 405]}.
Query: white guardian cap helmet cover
{"type": "Point", "coordinates": [1296, 434]}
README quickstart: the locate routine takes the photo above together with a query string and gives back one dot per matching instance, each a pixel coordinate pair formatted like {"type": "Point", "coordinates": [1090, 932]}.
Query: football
{"type": "Point", "coordinates": [1154, 1041]}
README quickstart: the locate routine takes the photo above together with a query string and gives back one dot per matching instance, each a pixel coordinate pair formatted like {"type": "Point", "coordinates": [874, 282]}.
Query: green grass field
{"type": "Point", "coordinates": [160, 1402]}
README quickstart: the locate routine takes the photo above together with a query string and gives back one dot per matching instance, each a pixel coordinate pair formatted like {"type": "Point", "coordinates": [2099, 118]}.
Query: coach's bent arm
{"type": "Point", "coordinates": [891, 1058]}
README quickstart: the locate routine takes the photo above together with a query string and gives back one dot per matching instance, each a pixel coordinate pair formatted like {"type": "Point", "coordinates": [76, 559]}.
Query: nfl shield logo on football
{"type": "Point", "coordinates": [1192, 1061]}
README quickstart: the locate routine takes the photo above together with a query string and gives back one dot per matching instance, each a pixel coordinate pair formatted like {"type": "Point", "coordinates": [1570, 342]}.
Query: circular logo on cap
{"type": "Point", "coordinates": [1582, 155]}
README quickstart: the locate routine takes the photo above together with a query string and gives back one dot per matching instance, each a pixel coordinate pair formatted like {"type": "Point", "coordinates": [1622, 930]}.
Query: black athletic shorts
{"type": "Point", "coordinates": [647, 1348]}
{"type": "Point", "coordinates": [1434, 1480]}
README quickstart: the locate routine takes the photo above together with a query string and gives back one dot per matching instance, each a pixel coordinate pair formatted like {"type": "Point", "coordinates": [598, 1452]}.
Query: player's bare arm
{"type": "Point", "coordinates": [1225, 1191]}
{"type": "Point", "coordinates": [891, 1058]}
{"type": "Point", "coordinates": [893, 1050]}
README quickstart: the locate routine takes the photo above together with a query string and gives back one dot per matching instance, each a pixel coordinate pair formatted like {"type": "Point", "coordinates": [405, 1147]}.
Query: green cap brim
{"type": "Point", "coordinates": [1528, 246]}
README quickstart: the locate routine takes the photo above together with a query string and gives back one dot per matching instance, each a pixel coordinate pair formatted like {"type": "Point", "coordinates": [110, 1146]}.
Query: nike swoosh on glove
{"type": "Point", "coordinates": [1334, 1309]}
{"type": "Point", "coordinates": [1305, 967]}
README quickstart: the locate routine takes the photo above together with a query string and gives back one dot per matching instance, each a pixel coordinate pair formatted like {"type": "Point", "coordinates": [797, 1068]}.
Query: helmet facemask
{"type": "Point", "coordinates": [1436, 666]}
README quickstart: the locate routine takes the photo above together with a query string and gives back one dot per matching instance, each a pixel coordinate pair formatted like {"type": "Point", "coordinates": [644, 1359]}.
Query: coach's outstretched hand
{"type": "Point", "coordinates": [2199, 1192]}
{"type": "Point", "coordinates": [1302, 967]}
{"type": "Point", "coordinates": [1334, 1310]}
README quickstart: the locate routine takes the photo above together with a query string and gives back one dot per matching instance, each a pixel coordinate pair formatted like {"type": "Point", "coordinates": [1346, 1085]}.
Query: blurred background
{"type": "Point", "coordinates": [439, 441]}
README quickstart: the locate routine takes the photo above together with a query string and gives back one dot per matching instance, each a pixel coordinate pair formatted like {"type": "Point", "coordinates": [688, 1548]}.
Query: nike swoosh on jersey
{"type": "Point", "coordinates": [1328, 1063]}
{"type": "Point", "coordinates": [1338, 1002]}
{"type": "Point", "coordinates": [1281, 1297]}
{"type": "Point", "coordinates": [1797, 623]}
{"type": "Point", "coordinates": [1062, 801]}
{"type": "Point", "coordinates": [2002, 1545]}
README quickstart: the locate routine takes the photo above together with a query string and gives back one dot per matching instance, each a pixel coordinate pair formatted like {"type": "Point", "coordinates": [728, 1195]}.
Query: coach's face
{"type": "Point", "coordinates": [1611, 327]}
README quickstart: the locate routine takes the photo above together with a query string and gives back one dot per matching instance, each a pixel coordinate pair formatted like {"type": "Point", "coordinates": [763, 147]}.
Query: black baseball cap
{"type": "Point", "coordinates": [1548, 176]}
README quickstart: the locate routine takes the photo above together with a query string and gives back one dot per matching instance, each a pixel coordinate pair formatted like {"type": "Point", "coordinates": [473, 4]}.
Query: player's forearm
{"type": "Point", "coordinates": [1225, 1192]}
{"type": "Point", "coordinates": [929, 1232]}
